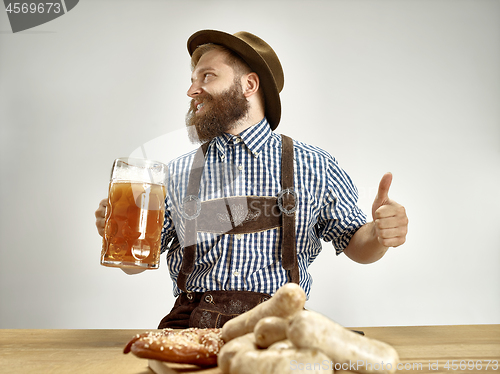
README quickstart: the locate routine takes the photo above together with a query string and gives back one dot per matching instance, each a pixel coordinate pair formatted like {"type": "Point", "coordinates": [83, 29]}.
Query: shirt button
{"type": "Point", "coordinates": [256, 154]}
{"type": "Point", "coordinates": [238, 236]}
{"type": "Point", "coordinates": [222, 157]}
{"type": "Point", "coordinates": [237, 140]}
{"type": "Point", "coordinates": [236, 273]}
{"type": "Point", "coordinates": [240, 167]}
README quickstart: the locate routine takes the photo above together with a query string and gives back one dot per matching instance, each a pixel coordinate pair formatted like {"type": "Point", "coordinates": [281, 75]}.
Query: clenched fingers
{"type": "Point", "coordinates": [392, 209]}
{"type": "Point", "coordinates": [392, 237]}
{"type": "Point", "coordinates": [100, 215]}
{"type": "Point", "coordinates": [391, 224]}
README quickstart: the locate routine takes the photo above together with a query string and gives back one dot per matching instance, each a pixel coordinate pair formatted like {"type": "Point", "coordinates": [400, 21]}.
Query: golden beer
{"type": "Point", "coordinates": [134, 220]}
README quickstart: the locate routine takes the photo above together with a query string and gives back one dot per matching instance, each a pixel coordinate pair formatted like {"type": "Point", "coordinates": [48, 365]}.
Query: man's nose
{"type": "Point", "coordinates": [194, 90]}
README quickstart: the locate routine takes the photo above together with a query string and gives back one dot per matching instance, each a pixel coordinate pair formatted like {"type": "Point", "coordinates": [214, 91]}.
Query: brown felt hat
{"type": "Point", "coordinates": [258, 55]}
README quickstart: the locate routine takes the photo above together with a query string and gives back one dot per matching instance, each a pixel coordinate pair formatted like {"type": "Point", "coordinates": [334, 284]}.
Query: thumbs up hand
{"type": "Point", "coordinates": [391, 222]}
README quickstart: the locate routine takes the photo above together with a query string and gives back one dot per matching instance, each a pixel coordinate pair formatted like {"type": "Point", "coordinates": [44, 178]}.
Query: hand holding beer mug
{"type": "Point", "coordinates": [134, 214]}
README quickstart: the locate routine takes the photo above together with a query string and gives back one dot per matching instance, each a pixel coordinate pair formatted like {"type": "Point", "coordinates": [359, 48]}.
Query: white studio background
{"type": "Point", "coordinates": [411, 87]}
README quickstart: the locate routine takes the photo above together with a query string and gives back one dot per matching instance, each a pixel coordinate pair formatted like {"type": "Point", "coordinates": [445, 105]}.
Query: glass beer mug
{"type": "Point", "coordinates": [135, 214]}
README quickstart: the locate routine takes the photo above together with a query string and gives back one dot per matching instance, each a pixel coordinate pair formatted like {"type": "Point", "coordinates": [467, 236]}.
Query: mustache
{"type": "Point", "coordinates": [200, 99]}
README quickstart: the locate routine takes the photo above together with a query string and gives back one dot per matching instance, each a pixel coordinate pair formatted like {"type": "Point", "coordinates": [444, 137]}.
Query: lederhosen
{"type": "Point", "coordinates": [214, 308]}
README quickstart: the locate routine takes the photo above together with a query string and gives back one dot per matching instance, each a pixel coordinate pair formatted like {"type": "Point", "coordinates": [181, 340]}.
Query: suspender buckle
{"type": "Point", "coordinates": [281, 194]}
{"type": "Point", "coordinates": [188, 201]}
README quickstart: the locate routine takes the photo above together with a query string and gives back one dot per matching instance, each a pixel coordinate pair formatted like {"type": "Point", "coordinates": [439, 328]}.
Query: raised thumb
{"type": "Point", "coordinates": [383, 189]}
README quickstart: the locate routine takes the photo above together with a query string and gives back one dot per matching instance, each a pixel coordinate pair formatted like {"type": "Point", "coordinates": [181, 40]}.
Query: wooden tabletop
{"type": "Point", "coordinates": [100, 351]}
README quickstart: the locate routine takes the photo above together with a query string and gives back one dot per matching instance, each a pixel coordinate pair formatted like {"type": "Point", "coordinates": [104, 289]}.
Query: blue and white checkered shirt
{"type": "Point", "coordinates": [250, 164]}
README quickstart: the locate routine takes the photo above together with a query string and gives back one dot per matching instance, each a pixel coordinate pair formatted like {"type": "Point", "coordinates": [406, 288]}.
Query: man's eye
{"type": "Point", "coordinates": [208, 76]}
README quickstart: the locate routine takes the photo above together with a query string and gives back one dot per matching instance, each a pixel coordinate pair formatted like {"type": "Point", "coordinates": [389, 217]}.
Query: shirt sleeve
{"type": "Point", "coordinates": [340, 217]}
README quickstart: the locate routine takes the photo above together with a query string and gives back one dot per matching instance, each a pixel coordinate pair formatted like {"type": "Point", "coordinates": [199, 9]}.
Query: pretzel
{"type": "Point", "coordinates": [191, 346]}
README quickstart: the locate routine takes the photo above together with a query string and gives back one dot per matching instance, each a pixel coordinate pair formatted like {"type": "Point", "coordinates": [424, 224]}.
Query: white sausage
{"type": "Point", "coordinates": [265, 361]}
{"type": "Point", "coordinates": [287, 301]}
{"type": "Point", "coordinates": [313, 330]}
{"type": "Point", "coordinates": [279, 346]}
{"type": "Point", "coordinates": [270, 330]}
{"type": "Point", "coordinates": [229, 350]}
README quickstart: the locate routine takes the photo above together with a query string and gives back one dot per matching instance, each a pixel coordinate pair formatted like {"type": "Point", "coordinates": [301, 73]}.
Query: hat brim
{"type": "Point", "coordinates": [253, 59]}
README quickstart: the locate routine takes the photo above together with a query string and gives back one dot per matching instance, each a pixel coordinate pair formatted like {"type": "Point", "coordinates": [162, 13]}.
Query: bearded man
{"type": "Point", "coordinates": [246, 212]}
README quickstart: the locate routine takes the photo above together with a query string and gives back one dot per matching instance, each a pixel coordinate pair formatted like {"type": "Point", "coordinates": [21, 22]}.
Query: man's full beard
{"type": "Point", "coordinates": [220, 114]}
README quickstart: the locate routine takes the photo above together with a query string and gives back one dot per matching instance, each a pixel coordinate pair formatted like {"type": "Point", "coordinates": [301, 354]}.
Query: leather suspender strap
{"type": "Point", "coordinates": [287, 202]}
{"type": "Point", "coordinates": [191, 210]}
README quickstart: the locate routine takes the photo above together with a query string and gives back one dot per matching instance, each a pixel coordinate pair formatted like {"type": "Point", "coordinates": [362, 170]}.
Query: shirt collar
{"type": "Point", "coordinates": [254, 138]}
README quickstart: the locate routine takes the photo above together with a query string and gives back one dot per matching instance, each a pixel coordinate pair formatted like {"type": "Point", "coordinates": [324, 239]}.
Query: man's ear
{"type": "Point", "coordinates": [250, 84]}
